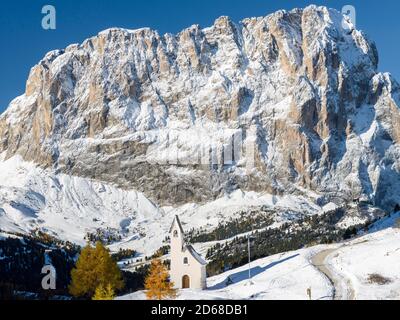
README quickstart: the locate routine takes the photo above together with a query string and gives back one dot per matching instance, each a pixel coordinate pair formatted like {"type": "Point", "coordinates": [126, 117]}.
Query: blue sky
{"type": "Point", "coordinates": [24, 42]}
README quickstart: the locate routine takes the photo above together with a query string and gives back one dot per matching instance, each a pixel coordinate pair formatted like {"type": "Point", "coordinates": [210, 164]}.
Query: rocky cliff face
{"type": "Point", "coordinates": [287, 103]}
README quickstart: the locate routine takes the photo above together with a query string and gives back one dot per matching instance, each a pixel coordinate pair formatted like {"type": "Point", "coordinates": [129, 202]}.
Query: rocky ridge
{"type": "Point", "coordinates": [289, 103]}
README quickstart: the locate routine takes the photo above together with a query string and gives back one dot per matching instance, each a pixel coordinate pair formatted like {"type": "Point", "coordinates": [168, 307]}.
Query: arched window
{"type": "Point", "coordinates": [185, 260]}
{"type": "Point", "coordinates": [175, 233]}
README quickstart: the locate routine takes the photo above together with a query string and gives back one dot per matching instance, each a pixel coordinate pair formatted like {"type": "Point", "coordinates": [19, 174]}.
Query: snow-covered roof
{"type": "Point", "coordinates": [195, 255]}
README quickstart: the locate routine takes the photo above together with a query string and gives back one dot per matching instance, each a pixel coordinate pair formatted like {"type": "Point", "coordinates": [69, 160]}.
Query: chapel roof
{"type": "Point", "coordinates": [178, 222]}
{"type": "Point", "coordinates": [195, 255]}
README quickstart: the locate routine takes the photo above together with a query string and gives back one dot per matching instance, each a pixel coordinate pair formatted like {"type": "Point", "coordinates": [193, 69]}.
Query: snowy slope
{"type": "Point", "coordinates": [68, 207]}
{"type": "Point", "coordinates": [288, 275]}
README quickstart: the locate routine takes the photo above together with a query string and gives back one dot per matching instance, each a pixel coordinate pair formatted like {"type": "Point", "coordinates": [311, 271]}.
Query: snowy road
{"type": "Point", "coordinates": [342, 287]}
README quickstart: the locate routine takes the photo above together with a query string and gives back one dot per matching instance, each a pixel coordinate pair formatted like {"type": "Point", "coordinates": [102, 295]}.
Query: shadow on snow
{"type": "Point", "coordinates": [243, 275]}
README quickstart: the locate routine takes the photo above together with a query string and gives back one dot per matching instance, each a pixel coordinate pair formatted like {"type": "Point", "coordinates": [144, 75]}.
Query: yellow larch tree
{"type": "Point", "coordinates": [95, 268]}
{"type": "Point", "coordinates": [157, 284]}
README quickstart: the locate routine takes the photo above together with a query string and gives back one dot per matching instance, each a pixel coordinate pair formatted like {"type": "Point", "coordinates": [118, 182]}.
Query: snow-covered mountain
{"type": "Point", "coordinates": [131, 127]}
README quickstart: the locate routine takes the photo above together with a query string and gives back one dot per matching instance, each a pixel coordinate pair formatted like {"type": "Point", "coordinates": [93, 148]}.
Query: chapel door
{"type": "Point", "coordinates": [185, 282]}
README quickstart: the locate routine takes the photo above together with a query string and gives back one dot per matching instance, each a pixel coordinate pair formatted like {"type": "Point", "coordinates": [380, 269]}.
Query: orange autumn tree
{"type": "Point", "coordinates": [157, 282]}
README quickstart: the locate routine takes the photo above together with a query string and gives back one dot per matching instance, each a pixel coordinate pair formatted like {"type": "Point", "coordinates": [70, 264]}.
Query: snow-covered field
{"type": "Point", "coordinates": [288, 275]}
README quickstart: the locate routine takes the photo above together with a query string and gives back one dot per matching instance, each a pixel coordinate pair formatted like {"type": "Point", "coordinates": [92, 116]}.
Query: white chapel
{"type": "Point", "coordinates": [188, 268]}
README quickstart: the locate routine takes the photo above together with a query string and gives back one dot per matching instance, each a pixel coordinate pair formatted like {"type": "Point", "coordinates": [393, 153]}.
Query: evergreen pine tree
{"type": "Point", "coordinates": [95, 267]}
{"type": "Point", "coordinates": [156, 284]}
